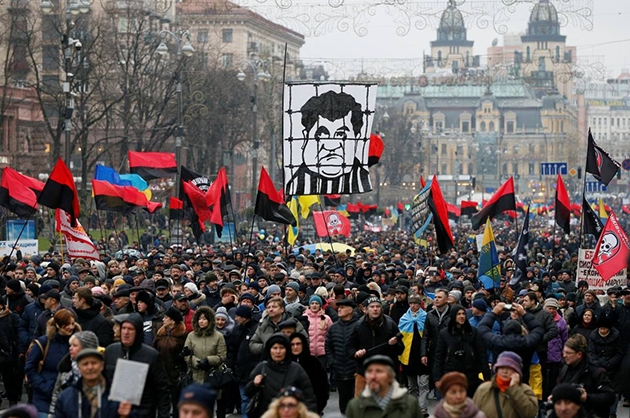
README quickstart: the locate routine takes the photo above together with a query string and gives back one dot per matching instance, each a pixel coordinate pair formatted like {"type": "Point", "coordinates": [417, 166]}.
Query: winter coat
{"type": "Point", "coordinates": [623, 325]}
{"type": "Point", "coordinates": [370, 334]}
{"type": "Point", "coordinates": [316, 374]}
{"type": "Point", "coordinates": [470, 411]}
{"type": "Point", "coordinates": [518, 401]}
{"type": "Point", "coordinates": [66, 297]}
{"type": "Point", "coordinates": [401, 405]}
{"type": "Point", "coordinates": [156, 392]}
{"type": "Point", "coordinates": [239, 357]}
{"type": "Point", "coordinates": [512, 338]}
{"type": "Point", "coordinates": [151, 324]}
{"type": "Point", "coordinates": [67, 405]}
{"type": "Point", "coordinates": [266, 329]}
{"type": "Point", "coordinates": [606, 352]}
{"type": "Point", "coordinates": [595, 382]}
{"type": "Point", "coordinates": [18, 301]}
{"type": "Point", "coordinates": [205, 343]}
{"type": "Point", "coordinates": [432, 329]}
{"type": "Point", "coordinates": [9, 333]}
{"type": "Point", "coordinates": [43, 382]}
{"type": "Point", "coordinates": [398, 309]}
{"type": "Point", "coordinates": [339, 352]}
{"type": "Point", "coordinates": [28, 324]}
{"type": "Point", "coordinates": [548, 324]}
{"type": "Point", "coordinates": [91, 319]}
{"type": "Point", "coordinates": [169, 343]}
{"type": "Point", "coordinates": [460, 349]}
{"type": "Point", "coordinates": [556, 344]}
{"type": "Point", "coordinates": [318, 325]}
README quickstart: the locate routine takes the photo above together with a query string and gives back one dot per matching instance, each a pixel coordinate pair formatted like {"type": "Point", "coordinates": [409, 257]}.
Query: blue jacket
{"type": "Point", "coordinates": [28, 324]}
{"type": "Point", "coordinates": [68, 403]}
{"type": "Point", "coordinates": [43, 382]}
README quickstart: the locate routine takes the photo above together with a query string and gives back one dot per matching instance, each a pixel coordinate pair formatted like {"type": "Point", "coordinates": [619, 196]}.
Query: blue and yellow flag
{"type": "Point", "coordinates": [294, 231]}
{"type": "Point", "coordinates": [602, 211]}
{"type": "Point", "coordinates": [489, 273]}
{"type": "Point", "coordinates": [406, 326]}
{"type": "Point", "coordinates": [306, 202]}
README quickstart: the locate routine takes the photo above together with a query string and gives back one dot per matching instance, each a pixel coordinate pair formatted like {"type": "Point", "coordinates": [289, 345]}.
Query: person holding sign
{"type": "Point", "coordinates": [88, 397]}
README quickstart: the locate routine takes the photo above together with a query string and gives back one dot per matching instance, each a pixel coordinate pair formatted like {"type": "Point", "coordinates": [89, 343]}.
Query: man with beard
{"type": "Point", "coordinates": [400, 306]}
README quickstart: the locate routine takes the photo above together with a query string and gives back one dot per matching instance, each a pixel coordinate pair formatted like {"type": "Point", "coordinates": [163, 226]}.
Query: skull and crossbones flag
{"type": "Point", "coordinates": [327, 129]}
{"type": "Point", "coordinates": [331, 222]}
{"type": "Point", "coordinates": [599, 163]}
{"type": "Point", "coordinates": [612, 250]}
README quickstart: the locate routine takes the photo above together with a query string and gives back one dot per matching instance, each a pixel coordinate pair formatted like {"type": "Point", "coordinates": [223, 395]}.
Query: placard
{"type": "Point", "coordinates": [27, 246]}
{"type": "Point", "coordinates": [595, 281]}
{"type": "Point", "coordinates": [129, 380]}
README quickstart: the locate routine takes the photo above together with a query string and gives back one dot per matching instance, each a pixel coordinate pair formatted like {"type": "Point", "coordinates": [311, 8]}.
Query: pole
{"type": "Point", "coordinates": [138, 230]}
{"type": "Point", "coordinates": [251, 233]}
{"type": "Point", "coordinates": [61, 246]}
{"type": "Point", "coordinates": [28, 218]}
{"type": "Point", "coordinates": [255, 132]}
{"type": "Point", "coordinates": [67, 87]}
{"type": "Point", "coordinates": [328, 233]}
{"type": "Point", "coordinates": [582, 213]}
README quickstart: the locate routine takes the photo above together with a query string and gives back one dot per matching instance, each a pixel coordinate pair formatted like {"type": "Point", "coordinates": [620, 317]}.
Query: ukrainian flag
{"type": "Point", "coordinates": [489, 260]}
{"type": "Point", "coordinates": [293, 230]}
{"type": "Point", "coordinates": [602, 211]}
{"type": "Point", "coordinates": [405, 326]}
{"type": "Point", "coordinates": [306, 202]}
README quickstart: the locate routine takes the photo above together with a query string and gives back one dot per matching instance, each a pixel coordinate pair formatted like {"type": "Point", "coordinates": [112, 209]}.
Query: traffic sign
{"type": "Point", "coordinates": [626, 164]}
{"type": "Point", "coordinates": [573, 172]}
{"type": "Point", "coordinates": [595, 186]}
{"type": "Point", "coordinates": [553, 169]}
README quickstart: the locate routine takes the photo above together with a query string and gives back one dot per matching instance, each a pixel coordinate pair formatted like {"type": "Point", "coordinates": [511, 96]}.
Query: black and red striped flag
{"type": "Point", "coordinates": [563, 207]}
{"type": "Point", "coordinates": [332, 200]}
{"type": "Point", "coordinates": [376, 149]}
{"type": "Point", "coordinates": [59, 192]}
{"type": "Point", "coordinates": [197, 199]}
{"type": "Point", "coordinates": [353, 210]}
{"type": "Point", "coordinates": [113, 198]}
{"type": "Point", "coordinates": [152, 165]}
{"type": "Point", "coordinates": [468, 208]}
{"type": "Point", "coordinates": [439, 209]}
{"type": "Point", "coordinates": [18, 193]}
{"type": "Point", "coordinates": [453, 212]}
{"type": "Point", "coordinates": [270, 204]}
{"type": "Point", "coordinates": [218, 198]}
{"type": "Point", "coordinates": [501, 201]}
{"type": "Point", "coordinates": [175, 208]}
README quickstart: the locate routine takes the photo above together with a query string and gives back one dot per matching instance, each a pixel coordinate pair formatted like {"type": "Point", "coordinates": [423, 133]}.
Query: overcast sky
{"type": "Point", "coordinates": [611, 19]}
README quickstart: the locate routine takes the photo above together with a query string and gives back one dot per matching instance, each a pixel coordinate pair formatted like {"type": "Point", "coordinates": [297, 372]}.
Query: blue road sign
{"type": "Point", "coordinates": [626, 164]}
{"type": "Point", "coordinates": [595, 186]}
{"type": "Point", "coordinates": [553, 169]}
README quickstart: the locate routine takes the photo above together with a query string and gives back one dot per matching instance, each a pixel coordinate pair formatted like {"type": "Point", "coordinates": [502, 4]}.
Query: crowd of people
{"type": "Point", "coordinates": [267, 331]}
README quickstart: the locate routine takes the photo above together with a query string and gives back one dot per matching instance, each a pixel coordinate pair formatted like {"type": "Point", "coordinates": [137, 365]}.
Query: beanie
{"type": "Point", "coordinates": [568, 392]}
{"type": "Point", "coordinates": [481, 305]}
{"type": "Point", "coordinates": [222, 312]}
{"type": "Point", "coordinates": [315, 298]}
{"type": "Point", "coordinates": [294, 286]}
{"type": "Point", "coordinates": [451, 379]}
{"type": "Point", "coordinates": [87, 339]}
{"type": "Point", "coordinates": [14, 284]}
{"type": "Point", "coordinates": [244, 312]}
{"type": "Point", "coordinates": [273, 289]}
{"type": "Point", "coordinates": [509, 359]}
{"type": "Point", "coordinates": [174, 314]}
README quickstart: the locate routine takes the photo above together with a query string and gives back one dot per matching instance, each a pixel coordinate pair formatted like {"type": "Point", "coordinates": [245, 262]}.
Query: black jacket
{"type": "Point", "coordinates": [91, 319]}
{"type": "Point", "coordinates": [623, 325]}
{"type": "Point", "coordinates": [156, 392]}
{"type": "Point", "coordinates": [548, 324]}
{"type": "Point", "coordinates": [606, 352]}
{"type": "Point", "coordinates": [374, 338]}
{"type": "Point", "coordinates": [339, 352]}
{"type": "Point", "coordinates": [398, 309]}
{"type": "Point", "coordinates": [315, 371]}
{"type": "Point", "coordinates": [594, 380]}
{"type": "Point", "coordinates": [239, 358]}
{"type": "Point", "coordinates": [432, 328]}
{"type": "Point", "coordinates": [460, 349]}
{"type": "Point", "coordinates": [17, 302]}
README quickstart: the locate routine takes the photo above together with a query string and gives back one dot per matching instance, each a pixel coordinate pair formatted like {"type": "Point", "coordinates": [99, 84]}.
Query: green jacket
{"type": "Point", "coordinates": [402, 405]}
{"type": "Point", "coordinates": [517, 401]}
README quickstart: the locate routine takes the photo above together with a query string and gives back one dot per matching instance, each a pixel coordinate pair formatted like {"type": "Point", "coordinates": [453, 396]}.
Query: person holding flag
{"type": "Point", "coordinates": [489, 266]}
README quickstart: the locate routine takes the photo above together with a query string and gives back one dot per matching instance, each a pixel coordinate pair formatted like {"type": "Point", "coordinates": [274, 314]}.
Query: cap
{"type": "Point", "coordinates": [414, 299]}
{"type": "Point", "coordinates": [244, 312]}
{"type": "Point", "coordinates": [378, 359]}
{"type": "Point", "coordinates": [567, 392]}
{"type": "Point", "coordinates": [180, 297]}
{"type": "Point", "coordinates": [89, 352]}
{"type": "Point", "coordinates": [346, 302]}
{"type": "Point", "coordinates": [52, 294]}
{"type": "Point", "coordinates": [201, 395]}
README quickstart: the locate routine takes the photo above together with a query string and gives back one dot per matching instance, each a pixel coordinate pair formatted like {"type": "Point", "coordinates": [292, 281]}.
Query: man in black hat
{"type": "Point", "coordinates": [181, 303]}
{"type": "Point", "coordinates": [51, 301]}
{"type": "Point", "coordinates": [240, 359]}
{"type": "Point", "coordinates": [196, 401]}
{"type": "Point", "coordinates": [339, 353]}
{"type": "Point", "coordinates": [401, 305]}
{"type": "Point", "coordinates": [161, 291]}
{"type": "Point", "coordinates": [567, 402]}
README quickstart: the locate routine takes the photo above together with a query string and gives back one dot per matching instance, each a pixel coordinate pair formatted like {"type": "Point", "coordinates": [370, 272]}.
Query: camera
{"type": "Point", "coordinates": [508, 307]}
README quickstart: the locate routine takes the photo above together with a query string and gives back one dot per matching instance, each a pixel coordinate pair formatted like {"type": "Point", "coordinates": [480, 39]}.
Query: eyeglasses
{"type": "Point", "coordinates": [290, 405]}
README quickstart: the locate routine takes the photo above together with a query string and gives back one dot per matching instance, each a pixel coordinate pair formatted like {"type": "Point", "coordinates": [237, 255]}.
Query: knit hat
{"type": "Point", "coordinates": [481, 305]}
{"type": "Point", "coordinates": [222, 312]}
{"type": "Point", "coordinates": [174, 314]}
{"type": "Point", "coordinates": [244, 312]}
{"type": "Point", "coordinates": [144, 297]}
{"type": "Point", "coordinates": [119, 281]}
{"type": "Point", "coordinates": [192, 287]}
{"type": "Point", "coordinates": [315, 298]}
{"type": "Point", "coordinates": [509, 359]}
{"type": "Point", "coordinates": [249, 296]}
{"type": "Point", "coordinates": [568, 392]}
{"type": "Point", "coordinates": [372, 300]}
{"type": "Point", "coordinates": [200, 395]}
{"type": "Point", "coordinates": [14, 284]}
{"type": "Point", "coordinates": [551, 302]}
{"type": "Point", "coordinates": [87, 339]}
{"type": "Point", "coordinates": [294, 286]}
{"type": "Point", "coordinates": [451, 379]}
{"type": "Point", "coordinates": [457, 295]}
{"type": "Point", "coordinates": [274, 288]}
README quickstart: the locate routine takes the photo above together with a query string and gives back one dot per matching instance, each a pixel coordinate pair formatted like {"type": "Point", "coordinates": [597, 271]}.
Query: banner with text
{"type": "Point", "coordinates": [586, 272]}
{"type": "Point", "coordinates": [27, 246]}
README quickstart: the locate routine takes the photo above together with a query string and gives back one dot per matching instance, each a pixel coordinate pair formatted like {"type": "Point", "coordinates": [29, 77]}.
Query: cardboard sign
{"type": "Point", "coordinates": [129, 380]}
{"type": "Point", "coordinates": [595, 281]}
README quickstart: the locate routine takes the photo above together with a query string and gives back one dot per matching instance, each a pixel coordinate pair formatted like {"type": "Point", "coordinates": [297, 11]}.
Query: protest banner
{"type": "Point", "coordinates": [585, 271]}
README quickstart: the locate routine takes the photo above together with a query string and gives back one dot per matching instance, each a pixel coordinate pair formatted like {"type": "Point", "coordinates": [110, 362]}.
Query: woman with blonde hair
{"type": "Point", "coordinates": [288, 404]}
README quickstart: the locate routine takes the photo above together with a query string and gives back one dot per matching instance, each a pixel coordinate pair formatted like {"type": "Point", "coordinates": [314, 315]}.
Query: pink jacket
{"type": "Point", "coordinates": [317, 332]}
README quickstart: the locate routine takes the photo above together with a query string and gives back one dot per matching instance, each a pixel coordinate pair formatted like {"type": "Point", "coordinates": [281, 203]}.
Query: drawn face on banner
{"type": "Point", "coordinates": [329, 121]}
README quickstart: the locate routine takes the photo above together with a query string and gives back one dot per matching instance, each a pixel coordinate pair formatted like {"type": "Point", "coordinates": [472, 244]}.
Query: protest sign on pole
{"type": "Point", "coordinates": [585, 271]}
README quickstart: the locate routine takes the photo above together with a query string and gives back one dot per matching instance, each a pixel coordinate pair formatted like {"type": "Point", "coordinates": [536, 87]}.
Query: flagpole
{"type": "Point", "coordinates": [61, 246]}
{"type": "Point", "coordinates": [28, 218]}
{"type": "Point", "coordinates": [251, 233]}
{"type": "Point", "coordinates": [584, 191]}
{"type": "Point", "coordinates": [138, 231]}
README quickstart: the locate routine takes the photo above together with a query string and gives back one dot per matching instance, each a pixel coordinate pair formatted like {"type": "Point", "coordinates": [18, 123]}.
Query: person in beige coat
{"type": "Point", "coordinates": [514, 398]}
{"type": "Point", "coordinates": [207, 346]}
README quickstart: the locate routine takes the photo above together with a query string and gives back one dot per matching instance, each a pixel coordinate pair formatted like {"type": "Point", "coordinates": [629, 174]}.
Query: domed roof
{"type": "Point", "coordinates": [451, 24]}
{"type": "Point", "coordinates": [544, 11]}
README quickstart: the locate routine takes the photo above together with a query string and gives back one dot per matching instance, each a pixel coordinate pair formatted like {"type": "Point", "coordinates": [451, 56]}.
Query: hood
{"type": "Point", "coordinates": [282, 339]}
{"type": "Point", "coordinates": [90, 312]}
{"type": "Point", "coordinates": [100, 268]}
{"type": "Point", "coordinates": [512, 327]}
{"type": "Point", "coordinates": [467, 328]}
{"type": "Point", "coordinates": [306, 352]}
{"type": "Point", "coordinates": [208, 313]}
{"type": "Point", "coordinates": [136, 320]}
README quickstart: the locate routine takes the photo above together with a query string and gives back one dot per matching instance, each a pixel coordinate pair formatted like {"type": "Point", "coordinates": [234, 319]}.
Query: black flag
{"type": "Point", "coordinates": [599, 163]}
{"type": "Point", "coordinates": [520, 252]}
{"type": "Point", "coordinates": [592, 223]}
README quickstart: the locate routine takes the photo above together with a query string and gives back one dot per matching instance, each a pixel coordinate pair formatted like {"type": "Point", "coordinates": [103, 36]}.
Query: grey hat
{"type": "Point", "coordinates": [294, 286]}
{"type": "Point", "coordinates": [89, 352]}
{"type": "Point", "coordinates": [87, 339]}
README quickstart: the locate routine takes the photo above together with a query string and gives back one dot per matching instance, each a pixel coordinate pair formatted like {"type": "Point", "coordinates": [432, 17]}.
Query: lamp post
{"type": "Point", "coordinates": [259, 71]}
{"type": "Point", "coordinates": [184, 49]}
{"type": "Point", "coordinates": [69, 45]}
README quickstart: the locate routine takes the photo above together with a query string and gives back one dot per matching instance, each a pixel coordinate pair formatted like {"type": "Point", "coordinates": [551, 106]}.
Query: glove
{"type": "Point", "coordinates": [204, 364]}
{"type": "Point", "coordinates": [185, 352]}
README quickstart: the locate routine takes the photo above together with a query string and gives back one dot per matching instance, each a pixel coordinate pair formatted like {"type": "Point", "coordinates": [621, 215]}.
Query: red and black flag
{"type": "Point", "coordinates": [400, 207]}
{"type": "Point", "coordinates": [376, 149]}
{"type": "Point", "coordinates": [270, 204]}
{"type": "Point", "coordinates": [175, 208]}
{"type": "Point", "coordinates": [197, 199]}
{"type": "Point", "coordinates": [453, 212]}
{"type": "Point", "coordinates": [563, 207]}
{"type": "Point", "coordinates": [591, 223]}
{"type": "Point", "coordinates": [501, 201]}
{"type": "Point", "coordinates": [439, 209]}
{"type": "Point", "coordinates": [59, 192]}
{"type": "Point", "coordinates": [218, 198]}
{"type": "Point", "coordinates": [353, 210]}
{"type": "Point", "coordinates": [520, 207]}
{"type": "Point", "coordinates": [332, 200]}
{"type": "Point", "coordinates": [576, 210]}
{"type": "Point", "coordinates": [18, 193]}
{"type": "Point", "coordinates": [599, 163]}
{"type": "Point", "coordinates": [152, 165]}
{"type": "Point", "coordinates": [468, 208]}
{"type": "Point", "coordinates": [113, 198]}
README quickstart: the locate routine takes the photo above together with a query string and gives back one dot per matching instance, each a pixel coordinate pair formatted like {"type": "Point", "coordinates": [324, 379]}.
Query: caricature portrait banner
{"type": "Point", "coordinates": [327, 137]}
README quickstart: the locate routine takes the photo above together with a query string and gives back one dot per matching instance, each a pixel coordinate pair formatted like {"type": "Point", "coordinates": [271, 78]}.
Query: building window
{"type": "Point", "coordinates": [443, 168]}
{"type": "Point", "coordinates": [612, 121]}
{"type": "Point", "coordinates": [227, 36]}
{"type": "Point", "coordinates": [50, 58]}
{"type": "Point", "coordinates": [439, 126]}
{"type": "Point", "coordinates": [491, 127]}
{"type": "Point", "coordinates": [443, 152]}
{"type": "Point", "coordinates": [510, 127]}
{"type": "Point", "coordinates": [557, 53]}
{"type": "Point", "coordinates": [440, 56]}
{"type": "Point", "coordinates": [541, 64]}
{"type": "Point", "coordinates": [527, 56]}
{"type": "Point", "coordinates": [122, 24]}
{"type": "Point", "coordinates": [482, 127]}
{"type": "Point", "coordinates": [202, 36]}
{"type": "Point", "coordinates": [531, 169]}
{"type": "Point", "coordinates": [227, 60]}
{"type": "Point", "coordinates": [465, 126]}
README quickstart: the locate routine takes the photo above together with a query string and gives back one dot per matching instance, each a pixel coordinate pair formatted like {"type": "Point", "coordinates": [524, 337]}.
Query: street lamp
{"type": "Point", "coordinates": [69, 45]}
{"type": "Point", "coordinates": [259, 69]}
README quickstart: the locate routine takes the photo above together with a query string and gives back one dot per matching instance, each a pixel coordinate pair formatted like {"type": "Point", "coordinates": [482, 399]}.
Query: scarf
{"type": "Point", "coordinates": [93, 395]}
{"type": "Point", "coordinates": [503, 384]}
{"type": "Point", "coordinates": [406, 327]}
{"type": "Point", "coordinates": [384, 401]}
{"type": "Point", "coordinates": [454, 410]}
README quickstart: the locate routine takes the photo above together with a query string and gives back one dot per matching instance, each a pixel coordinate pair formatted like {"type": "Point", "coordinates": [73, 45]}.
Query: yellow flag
{"type": "Point", "coordinates": [306, 202]}
{"type": "Point", "coordinates": [293, 230]}
{"type": "Point", "coordinates": [602, 209]}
